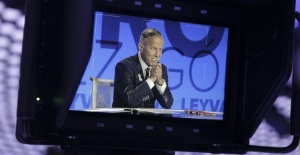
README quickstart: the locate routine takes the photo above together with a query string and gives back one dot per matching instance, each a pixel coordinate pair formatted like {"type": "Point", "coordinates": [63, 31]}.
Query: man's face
{"type": "Point", "coordinates": [151, 50]}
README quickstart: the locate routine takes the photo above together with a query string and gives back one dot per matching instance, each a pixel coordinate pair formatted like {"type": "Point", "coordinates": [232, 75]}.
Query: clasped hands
{"type": "Point", "coordinates": [156, 74]}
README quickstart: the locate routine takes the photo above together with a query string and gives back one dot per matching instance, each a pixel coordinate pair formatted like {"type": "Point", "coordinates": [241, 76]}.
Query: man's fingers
{"type": "Point", "coordinates": [158, 65]}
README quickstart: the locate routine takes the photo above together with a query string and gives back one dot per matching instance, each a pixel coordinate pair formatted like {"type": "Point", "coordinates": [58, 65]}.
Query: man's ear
{"type": "Point", "coordinates": [140, 46]}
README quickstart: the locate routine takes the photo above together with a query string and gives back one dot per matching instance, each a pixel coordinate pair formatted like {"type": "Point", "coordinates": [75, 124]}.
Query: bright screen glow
{"type": "Point", "coordinates": [195, 55]}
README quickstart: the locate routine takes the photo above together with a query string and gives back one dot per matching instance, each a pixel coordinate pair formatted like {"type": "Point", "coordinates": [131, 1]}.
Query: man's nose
{"type": "Point", "coordinates": [157, 53]}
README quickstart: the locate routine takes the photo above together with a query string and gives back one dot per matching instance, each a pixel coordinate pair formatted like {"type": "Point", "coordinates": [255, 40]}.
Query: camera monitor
{"type": "Point", "coordinates": [194, 53]}
{"type": "Point", "coordinates": [221, 72]}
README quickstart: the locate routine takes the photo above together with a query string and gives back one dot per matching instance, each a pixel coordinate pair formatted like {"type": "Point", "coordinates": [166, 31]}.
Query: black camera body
{"type": "Point", "coordinates": [58, 44]}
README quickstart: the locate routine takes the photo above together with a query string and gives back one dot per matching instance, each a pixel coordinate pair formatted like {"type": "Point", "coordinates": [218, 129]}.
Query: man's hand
{"type": "Point", "coordinates": [156, 74]}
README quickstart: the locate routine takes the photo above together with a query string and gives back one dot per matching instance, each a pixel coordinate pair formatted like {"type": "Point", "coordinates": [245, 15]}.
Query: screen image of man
{"type": "Point", "coordinates": [141, 79]}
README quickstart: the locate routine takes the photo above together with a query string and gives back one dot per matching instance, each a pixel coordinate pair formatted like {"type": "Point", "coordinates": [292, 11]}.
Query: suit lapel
{"type": "Point", "coordinates": [139, 69]}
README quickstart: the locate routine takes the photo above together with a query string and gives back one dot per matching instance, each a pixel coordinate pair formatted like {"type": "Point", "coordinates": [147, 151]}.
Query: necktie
{"type": "Point", "coordinates": [147, 73]}
{"type": "Point", "coordinates": [147, 70]}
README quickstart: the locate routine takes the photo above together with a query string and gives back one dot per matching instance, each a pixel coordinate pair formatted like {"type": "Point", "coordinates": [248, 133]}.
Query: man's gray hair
{"type": "Point", "coordinates": [149, 32]}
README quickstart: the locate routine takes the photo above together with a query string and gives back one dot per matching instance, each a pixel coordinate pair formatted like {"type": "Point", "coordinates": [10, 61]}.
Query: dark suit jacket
{"type": "Point", "coordinates": [132, 92]}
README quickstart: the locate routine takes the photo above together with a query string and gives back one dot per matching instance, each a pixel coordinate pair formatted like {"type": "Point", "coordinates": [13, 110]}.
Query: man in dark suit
{"type": "Point", "coordinates": [140, 80]}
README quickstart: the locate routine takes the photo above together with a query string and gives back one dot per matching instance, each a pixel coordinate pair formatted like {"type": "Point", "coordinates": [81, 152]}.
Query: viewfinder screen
{"type": "Point", "coordinates": [194, 54]}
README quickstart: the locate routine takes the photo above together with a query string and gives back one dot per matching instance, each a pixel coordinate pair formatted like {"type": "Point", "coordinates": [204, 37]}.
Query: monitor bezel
{"type": "Point", "coordinates": [226, 130]}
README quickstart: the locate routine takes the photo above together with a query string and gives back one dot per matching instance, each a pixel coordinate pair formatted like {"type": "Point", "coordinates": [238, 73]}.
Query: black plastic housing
{"type": "Point", "coordinates": [57, 46]}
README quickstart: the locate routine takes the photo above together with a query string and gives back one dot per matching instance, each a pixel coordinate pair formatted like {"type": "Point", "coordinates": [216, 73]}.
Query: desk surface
{"type": "Point", "coordinates": [193, 114]}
